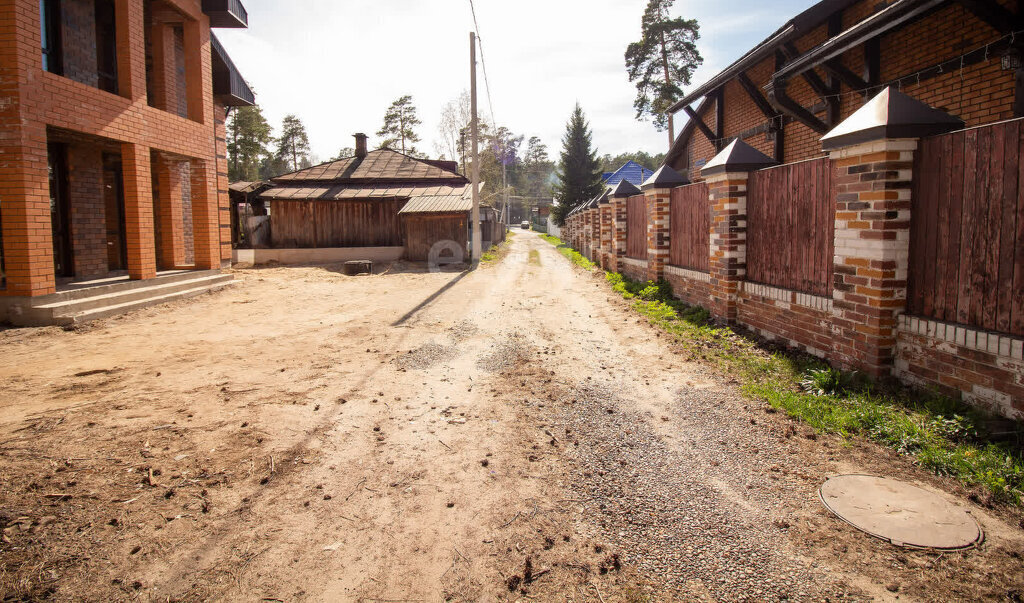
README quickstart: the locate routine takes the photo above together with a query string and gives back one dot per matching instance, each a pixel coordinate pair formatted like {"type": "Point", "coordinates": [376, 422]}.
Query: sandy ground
{"type": "Point", "coordinates": [511, 433]}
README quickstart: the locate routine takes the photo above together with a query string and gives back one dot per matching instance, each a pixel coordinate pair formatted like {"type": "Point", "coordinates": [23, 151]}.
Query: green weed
{"type": "Point", "coordinates": [943, 435]}
{"type": "Point", "coordinates": [573, 256]}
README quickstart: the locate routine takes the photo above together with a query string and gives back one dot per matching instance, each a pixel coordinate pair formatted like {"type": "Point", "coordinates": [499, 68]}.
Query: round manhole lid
{"type": "Point", "coordinates": [899, 512]}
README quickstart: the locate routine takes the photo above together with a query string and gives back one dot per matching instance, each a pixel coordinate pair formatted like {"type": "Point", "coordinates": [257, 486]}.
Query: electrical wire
{"type": "Point", "coordinates": [483, 64]}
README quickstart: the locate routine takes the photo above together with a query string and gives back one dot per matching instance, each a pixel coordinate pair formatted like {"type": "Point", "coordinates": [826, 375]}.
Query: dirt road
{"type": "Point", "coordinates": [508, 433]}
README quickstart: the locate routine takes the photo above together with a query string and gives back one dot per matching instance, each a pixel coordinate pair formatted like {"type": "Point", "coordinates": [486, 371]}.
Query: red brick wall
{"type": "Point", "coordinates": [220, 134]}
{"type": "Point", "coordinates": [180, 85]}
{"type": "Point", "coordinates": [32, 100]}
{"type": "Point", "coordinates": [88, 210]}
{"type": "Point", "coordinates": [801, 321]}
{"type": "Point", "coordinates": [187, 225]}
{"type": "Point", "coordinates": [634, 270]}
{"type": "Point", "coordinates": [695, 292]}
{"type": "Point", "coordinates": [978, 94]}
{"type": "Point", "coordinates": [78, 36]}
{"type": "Point", "coordinates": [983, 368]}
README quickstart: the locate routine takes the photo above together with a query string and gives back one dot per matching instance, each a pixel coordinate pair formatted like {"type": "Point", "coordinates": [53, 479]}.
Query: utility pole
{"type": "Point", "coordinates": [475, 214]}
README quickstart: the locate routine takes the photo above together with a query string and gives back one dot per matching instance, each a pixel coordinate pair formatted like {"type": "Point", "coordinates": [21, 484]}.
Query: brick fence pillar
{"type": "Point", "coordinates": [607, 236]}
{"type": "Point", "coordinates": [727, 175]}
{"type": "Point", "coordinates": [872, 250]}
{"type": "Point", "coordinates": [658, 191]}
{"type": "Point", "coordinates": [138, 211]}
{"type": "Point", "coordinates": [595, 234]}
{"type": "Point", "coordinates": [619, 228]}
{"type": "Point", "coordinates": [728, 243]}
{"type": "Point", "coordinates": [658, 204]}
{"type": "Point", "coordinates": [873, 152]}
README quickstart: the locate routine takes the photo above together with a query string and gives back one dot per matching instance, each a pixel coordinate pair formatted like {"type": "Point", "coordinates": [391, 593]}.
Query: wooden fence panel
{"type": "Point", "coordinates": [791, 227]}
{"type": "Point", "coordinates": [636, 227]}
{"type": "Point", "coordinates": [690, 222]}
{"type": "Point", "coordinates": [967, 229]}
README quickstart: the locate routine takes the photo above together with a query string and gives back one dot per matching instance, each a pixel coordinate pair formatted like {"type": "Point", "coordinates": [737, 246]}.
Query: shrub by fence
{"type": "Point", "coordinates": [791, 227]}
{"type": "Point", "coordinates": [690, 221]}
{"type": "Point", "coordinates": [967, 231]}
{"type": "Point", "coordinates": [636, 227]}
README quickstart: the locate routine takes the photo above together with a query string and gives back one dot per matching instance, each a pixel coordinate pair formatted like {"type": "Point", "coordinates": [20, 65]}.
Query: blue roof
{"type": "Point", "coordinates": [631, 171]}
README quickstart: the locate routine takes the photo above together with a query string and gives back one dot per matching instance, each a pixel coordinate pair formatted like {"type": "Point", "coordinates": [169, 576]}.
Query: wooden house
{"type": "Point", "coordinates": [375, 199]}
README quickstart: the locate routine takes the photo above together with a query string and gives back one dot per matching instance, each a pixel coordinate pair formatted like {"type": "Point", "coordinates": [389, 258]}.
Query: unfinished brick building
{"type": "Point", "coordinates": [113, 176]}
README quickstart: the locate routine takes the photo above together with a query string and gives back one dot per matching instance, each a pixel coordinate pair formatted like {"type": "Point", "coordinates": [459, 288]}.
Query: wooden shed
{"type": "Point", "coordinates": [441, 221]}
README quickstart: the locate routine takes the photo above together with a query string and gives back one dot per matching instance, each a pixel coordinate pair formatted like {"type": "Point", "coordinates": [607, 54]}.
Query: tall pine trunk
{"type": "Point", "coordinates": [664, 63]}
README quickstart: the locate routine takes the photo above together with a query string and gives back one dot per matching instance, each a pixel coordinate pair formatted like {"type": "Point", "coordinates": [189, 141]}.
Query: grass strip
{"type": "Point", "coordinates": [574, 256]}
{"type": "Point", "coordinates": [942, 435]}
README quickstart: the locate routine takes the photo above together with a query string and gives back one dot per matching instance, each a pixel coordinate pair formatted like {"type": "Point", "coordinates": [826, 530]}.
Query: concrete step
{"type": "Point", "coordinates": [137, 304]}
{"type": "Point", "coordinates": [103, 286]}
{"type": "Point", "coordinates": [105, 296]}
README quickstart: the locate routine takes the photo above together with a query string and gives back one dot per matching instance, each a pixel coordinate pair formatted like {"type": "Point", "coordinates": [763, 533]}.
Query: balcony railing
{"type": "Point", "coordinates": [228, 84]}
{"type": "Point", "coordinates": [226, 13]}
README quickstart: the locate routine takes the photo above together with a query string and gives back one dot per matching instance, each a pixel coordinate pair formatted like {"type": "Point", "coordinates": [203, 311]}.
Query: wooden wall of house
{"type": "Point", "coordinates": [423, 230]}
{"type": "Point", "coordinates": [304, 224]}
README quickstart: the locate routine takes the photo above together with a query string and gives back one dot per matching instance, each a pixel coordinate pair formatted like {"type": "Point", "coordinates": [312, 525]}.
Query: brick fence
{"type": "Point", "coordinates": [899, 256]}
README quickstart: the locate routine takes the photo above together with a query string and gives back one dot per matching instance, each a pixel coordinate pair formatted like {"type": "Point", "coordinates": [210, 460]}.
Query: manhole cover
{"type": "Point", "coordinates": [896, 511]}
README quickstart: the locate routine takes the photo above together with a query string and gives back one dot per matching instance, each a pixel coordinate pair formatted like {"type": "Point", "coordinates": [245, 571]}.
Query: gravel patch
{"type": "Point", "coordinates": [425, 356]}
{"type": "Point", "coordinates": [509, 354]}
{"type": "Point", "coordinates": [711, 509]}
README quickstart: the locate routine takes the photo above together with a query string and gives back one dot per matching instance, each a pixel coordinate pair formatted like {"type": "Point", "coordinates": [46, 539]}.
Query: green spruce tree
{"type": "Point", "coordinates": [579, 171]}
{"type": "Point", "coordinates": [662, 62]}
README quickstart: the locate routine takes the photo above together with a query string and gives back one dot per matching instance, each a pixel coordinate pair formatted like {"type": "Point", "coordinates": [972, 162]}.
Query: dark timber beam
{"type": "Point", "coordinates": [755, 95]}
{"type": "Point", "coordinates": [720, 117]}
{"type": "Point", "coordinates": [873, 61]}
{"type": "Point", "coordinates": [844, 74]}
{"type": "Point", "coordinates": [809, 76]}
{"type": "Point", "coordinates": [991, 12]}
{"type": "Point", "coordinates": [778, 96]}
{"type": "Point", "coordinates": [697, 121]}
{"type": "Point", "coordinates": [835, 109]}
{"type": "Point", "coordinates": [778, 132]}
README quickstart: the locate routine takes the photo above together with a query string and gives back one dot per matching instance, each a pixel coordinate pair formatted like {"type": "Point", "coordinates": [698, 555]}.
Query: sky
{"type": "Point", "coordinates": [338, 64]}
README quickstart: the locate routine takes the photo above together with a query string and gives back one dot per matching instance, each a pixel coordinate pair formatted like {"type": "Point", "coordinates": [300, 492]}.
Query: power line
{"type": "Point", "coordinates": [483, 63]}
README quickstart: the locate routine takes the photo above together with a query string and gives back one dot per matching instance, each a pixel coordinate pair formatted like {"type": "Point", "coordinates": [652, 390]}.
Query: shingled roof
{"type": "Point", "coordinates": [630, 171]}
{"type": "Point", "coordinates": [382, 165]}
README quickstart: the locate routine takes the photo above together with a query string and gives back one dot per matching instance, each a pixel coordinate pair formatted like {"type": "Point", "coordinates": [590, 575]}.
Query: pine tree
{"type": "Point", "coordinates": [344, 153]}
{"type": "Point", "coordinates": [248, 139]}
{"type": "Point", "coordinates": [662, 62]}
{"type": "Point", "coordinates": [399, 122]}
{"type": "Point", "coordinates": [578, 171]}
{"type": "Point", "coordinates": [293, 145]}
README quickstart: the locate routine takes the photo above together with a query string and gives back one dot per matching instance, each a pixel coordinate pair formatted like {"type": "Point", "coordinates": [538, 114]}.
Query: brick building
{"type": "Point", "coordinates": [852, 188]}
{"type": "Point", "coordinates": [112, 162]}
{"type": "Point", "coordinates": [823, 64]}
